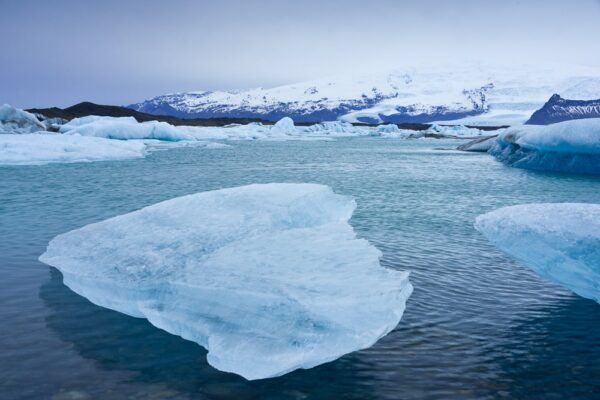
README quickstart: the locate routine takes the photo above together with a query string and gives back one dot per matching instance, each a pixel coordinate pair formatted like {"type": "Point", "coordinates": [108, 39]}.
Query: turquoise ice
{"type": "Point", "coordinates": [268, 278]}
{"type": "Point", "coordinates": [559, 241]}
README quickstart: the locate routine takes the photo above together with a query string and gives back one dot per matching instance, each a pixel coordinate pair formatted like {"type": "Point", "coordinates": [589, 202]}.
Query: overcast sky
{"type": "Point", "coordinates": [61, 52]}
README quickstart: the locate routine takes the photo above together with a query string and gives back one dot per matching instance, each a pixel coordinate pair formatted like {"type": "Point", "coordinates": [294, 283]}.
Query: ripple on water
{"type": "Point", "coordinates": [477, 325]}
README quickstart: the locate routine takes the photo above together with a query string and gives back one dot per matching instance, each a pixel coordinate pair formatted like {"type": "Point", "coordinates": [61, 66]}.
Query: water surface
{"type": "Point", "coordinates": [478, 325]}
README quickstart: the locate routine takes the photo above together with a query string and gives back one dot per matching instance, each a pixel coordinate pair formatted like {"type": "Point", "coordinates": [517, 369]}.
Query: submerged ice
{"type": "Point", "coordinates": [268, 278]}
{"type": "Point", "coordinates": [570, 146]}
{"type": "Point", "coordinates": [559, 241]}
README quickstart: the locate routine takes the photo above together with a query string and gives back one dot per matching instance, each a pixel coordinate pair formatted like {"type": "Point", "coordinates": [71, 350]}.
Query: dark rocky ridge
{"type": "Point", "coordinates": [558, 109]}
{"type": "Point", "coordinates": [87, 108]}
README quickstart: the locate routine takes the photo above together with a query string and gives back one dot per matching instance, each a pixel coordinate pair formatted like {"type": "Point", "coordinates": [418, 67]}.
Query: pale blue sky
{"type": "Point", "coordinates": [115, 52]}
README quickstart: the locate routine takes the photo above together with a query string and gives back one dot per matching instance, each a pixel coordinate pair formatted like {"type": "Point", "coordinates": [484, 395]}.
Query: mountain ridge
{"type": "Point", "coordinates": [87, 108]}
{"type": "Point", "coordinates": [475, 96]}
{"type": "Point", "coordinates": [558, 109]}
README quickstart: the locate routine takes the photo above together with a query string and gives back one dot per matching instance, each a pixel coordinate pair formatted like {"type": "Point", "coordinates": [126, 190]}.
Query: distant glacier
{"type": "Point", "coordinates": [468, 95]}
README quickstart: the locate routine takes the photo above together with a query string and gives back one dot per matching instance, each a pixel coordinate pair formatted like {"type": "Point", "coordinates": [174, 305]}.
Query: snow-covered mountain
{"type": "Point", "coordinates": [469, 94]}
{"type": "Point", "coordinates": [558, 109]}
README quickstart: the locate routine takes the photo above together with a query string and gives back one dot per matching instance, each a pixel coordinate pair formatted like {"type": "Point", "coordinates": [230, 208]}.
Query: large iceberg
{"type": "Point", "coordinates": [123, 128]}
{"type": "Point", "coordinates": [269, 278]}
{"type": "Point", "coordinates": [14, 120]}
{"type": "Point", "coordinates": [570, 146]}
{"type": "Point", "coordinates": [559, 241]}
{"type": "Point", "coordinates": [44, 148]}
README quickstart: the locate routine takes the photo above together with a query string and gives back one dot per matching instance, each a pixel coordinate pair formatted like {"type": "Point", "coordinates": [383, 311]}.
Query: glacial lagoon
{"type": "Point", "coordinates": [478, 324]}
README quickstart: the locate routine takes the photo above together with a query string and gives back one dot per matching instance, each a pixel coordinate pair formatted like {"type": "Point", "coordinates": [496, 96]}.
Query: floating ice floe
{"type": "Point", "coordinates": [570, 146]}
{"type": "Point", "coordinates": [268, 278]}
{"type": "Point", "coordinates": [454, 131]}
{"type": "Point", "coordinates": [284, 129]}
{"type": "Point", "coordinates": [44, 148]}
{"type": "Point", "coordinates": [124, 128]}
{"type": "Point", "coordinates": [559, 241]}
{"type": "Point", "coordinates": [14, 120]}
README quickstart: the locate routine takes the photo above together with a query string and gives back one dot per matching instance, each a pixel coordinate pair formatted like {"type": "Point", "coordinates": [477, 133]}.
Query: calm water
{"type": "Point", "coordinates": [477, 326]}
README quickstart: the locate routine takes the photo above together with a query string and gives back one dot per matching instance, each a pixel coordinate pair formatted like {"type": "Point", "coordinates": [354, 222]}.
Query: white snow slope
{"type": "Point", "coordinates": [269, 278]}
{"type": "Point", "coordinates": [468, 94]}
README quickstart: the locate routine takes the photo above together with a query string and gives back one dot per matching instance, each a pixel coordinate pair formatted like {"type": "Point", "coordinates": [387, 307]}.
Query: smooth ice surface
{"type": "Point", "coordinates": [559, 241]}
{"type": "Point", "coordinates": [44, 148]}
{"type": "Point", "coordinates": [14, 120]}
{"type": "Point", "coordinates": [570, 146]}
{"type": "Point", "coordinates": [269, 278]}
